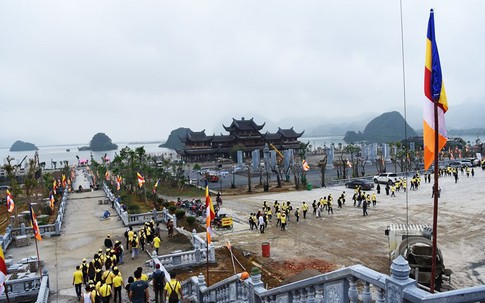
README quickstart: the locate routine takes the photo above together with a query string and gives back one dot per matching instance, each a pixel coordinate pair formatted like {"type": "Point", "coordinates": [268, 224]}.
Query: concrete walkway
{"type": "Point", "coordinates": [83, 233]}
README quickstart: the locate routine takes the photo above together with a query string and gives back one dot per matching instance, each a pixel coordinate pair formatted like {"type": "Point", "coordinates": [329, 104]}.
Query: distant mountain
{"type": "Point", "coordinates": [388, 127]}
{"type": "Point", "coordinates": [100, 142]}
{"type": "Point", "coordinates": [173, 141]}
{"type": "Point", "coordinates": [23, 146]}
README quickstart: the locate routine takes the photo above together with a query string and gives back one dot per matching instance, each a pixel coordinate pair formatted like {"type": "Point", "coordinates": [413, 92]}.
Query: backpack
{"type": "Point", "coordinates": [174, 297]}
{"type": "Point", "coordinates": [158, 279]}
{"type": "Point", "coordinates": [97, 297]}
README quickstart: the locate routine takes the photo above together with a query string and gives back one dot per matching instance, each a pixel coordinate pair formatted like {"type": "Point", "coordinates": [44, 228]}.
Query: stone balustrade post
{"type": "Point", "coordinates": [399, 280]}
{"type": "Point", "coordinates": [211, 253]}
{"type": "Point", "coordinates": [22, 229]}
{"type": "Point", "coordinates": [198, 255]}
{"type": "Point", "coordinates": [57, 226]}
{"type": "Point", "coordinates": [254, 284]}
{"type": "Point", "coordinates": [353, 292]}
{"type": "Point", "coordinates": [155, 215]}
{"type": "Point", "coordinates": [366, 295]}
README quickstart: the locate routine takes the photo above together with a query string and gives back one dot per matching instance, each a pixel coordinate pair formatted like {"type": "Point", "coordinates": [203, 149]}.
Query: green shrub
{"type": "Point", "coordinates": [133, 209]}
{"type": "Point", "coordinates": [179, 213]}
{"type": "Point", "coordinates": [190, 220]}
{"type": "Point", "coordinates": [172, 208]}
{"type": "Point", "coordinates": [166, 204]}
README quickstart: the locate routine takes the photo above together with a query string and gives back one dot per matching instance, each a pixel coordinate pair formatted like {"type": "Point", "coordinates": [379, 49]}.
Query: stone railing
{"type": "Point", "coordinates": [6, 238]}
{"type": "Point", "coordinates": [137, 219]}
{"type": "Point", "coordinates": [29, 289]}
{"type": "Point", "coordinates": [184, 259]}
{"type": "Point", "coordinates": [352, 284]}
{"type": "Point", "coordinates": [46, 230]}
{"type": "Point", "coordinates": [43, 296]}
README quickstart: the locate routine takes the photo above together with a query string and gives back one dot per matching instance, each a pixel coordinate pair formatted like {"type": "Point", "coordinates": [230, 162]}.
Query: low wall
{"type": "Point", "coordinates": [352, 284]}
{"type": "Point", "coordinates": [137, 219]}
{"type": "Point", "coordinates": [46, 230]}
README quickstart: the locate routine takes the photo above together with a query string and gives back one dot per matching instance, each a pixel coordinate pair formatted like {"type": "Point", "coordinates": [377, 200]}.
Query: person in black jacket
{"type": "Point", "coordinates": [107, 242]}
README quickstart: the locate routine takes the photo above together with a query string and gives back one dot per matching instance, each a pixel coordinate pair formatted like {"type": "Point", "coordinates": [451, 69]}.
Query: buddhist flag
{"type": "Point", "coordinates": [64, 181]}
{"type": "Point", "coordinates": [434, 89]}
{"type": "Point", "coordinates": [54, 186]}
{"type": "Point", "coordinates": [118, 183]}
{"type": "Point", "coordinates": [52, 200]}
{"type": "Point", "coordinates": [10, 203]}
{"type": "Point", "coordinates": [210, 213]}
{"type": "Point", "coordinates": [3, 271]}
{"type": "Point", "coordinates": [35, 225]}
{"type": "Point", "coordinates": [106, 175]}
{"type": "Point", "coordinates": [305, 165]}
{"type": "Point", "coordinates": [155, 186]}
{"type": "Point", "coordinates": [141, 180]}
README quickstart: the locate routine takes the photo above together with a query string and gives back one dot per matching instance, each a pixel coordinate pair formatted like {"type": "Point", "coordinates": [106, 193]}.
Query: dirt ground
{"type": "Point", "coordinates": [347, 237]}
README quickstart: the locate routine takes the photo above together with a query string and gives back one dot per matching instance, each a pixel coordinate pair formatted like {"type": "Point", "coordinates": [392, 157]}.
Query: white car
{"type": "Point", "coordinates": [385, 178]}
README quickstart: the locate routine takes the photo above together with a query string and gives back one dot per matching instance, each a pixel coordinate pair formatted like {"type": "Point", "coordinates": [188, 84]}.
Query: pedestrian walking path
{"type": "Point", "coordinates": [83, 233]}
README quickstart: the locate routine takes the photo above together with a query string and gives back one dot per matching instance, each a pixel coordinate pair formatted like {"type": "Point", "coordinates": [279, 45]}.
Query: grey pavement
{"type": "Point", "coordinates": [345, 238]}
{"type": "Point", "coordinates": [83, 233]}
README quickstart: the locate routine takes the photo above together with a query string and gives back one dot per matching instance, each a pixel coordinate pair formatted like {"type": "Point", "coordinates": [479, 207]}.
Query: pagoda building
{"type": "Point", "coordinates": [244, 135]}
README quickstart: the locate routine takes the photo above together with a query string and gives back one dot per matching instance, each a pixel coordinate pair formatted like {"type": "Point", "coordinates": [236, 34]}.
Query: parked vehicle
{"type": "Point", "coordinates": [213, 178]}
{"type": "Point", "coordinates": [364, 184]}
{"type": "Point", "coordinates": [222, 221]}
{"type": "Point", "coordinates": [455, 164]}
{"type": "Point", "coordinates": [385, 178]}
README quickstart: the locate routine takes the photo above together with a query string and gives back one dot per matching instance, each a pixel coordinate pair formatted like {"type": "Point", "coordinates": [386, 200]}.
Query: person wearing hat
{"type": "Point", "coordinates": [84, 270]}
{"type": "Point", "coordinates": [118, 248]}
{"type": "Point", "coordinates": [108, 243]}
{"type": "Point", "coordinates": [134, 247]}
{"type": "Point", "coordinates": [129, 237]}
{"type": "Point", "coordinates": [297, 215]}
{"type": "Point", "coordinates": [102, 257]}
{"type": "Point", "coordinates": [108, 262]}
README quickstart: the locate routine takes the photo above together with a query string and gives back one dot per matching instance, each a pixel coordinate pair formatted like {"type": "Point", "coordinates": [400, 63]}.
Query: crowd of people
{"type": "Point", "coordinates": [284, 212]}
{"type": "Point", "coordinates": [102, 279]}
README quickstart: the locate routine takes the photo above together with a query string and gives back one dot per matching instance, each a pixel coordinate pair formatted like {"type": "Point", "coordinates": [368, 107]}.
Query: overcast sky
{"type": "Point", "coordinates": [135, 70]}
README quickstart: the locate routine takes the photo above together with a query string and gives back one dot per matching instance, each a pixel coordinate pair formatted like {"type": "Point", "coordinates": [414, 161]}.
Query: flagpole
{"type": "Point", "coordinates": [6, 292]}
{"type": "Point", "coordinates": [38, 258]}
{"type": "Point", "coordinates": [435, 196]}
{"type": "Point", "coordinates": [36, 245]}
{"type": "Point", "coordinates": [207, 260]}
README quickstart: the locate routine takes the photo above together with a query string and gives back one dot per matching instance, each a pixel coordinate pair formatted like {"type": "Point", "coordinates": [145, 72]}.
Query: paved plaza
{"type": "Point", "coordinates": [344, 238]}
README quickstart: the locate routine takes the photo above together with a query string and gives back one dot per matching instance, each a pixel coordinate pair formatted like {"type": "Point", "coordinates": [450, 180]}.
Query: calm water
{"type": "Point", "coordinates": [48, 154]}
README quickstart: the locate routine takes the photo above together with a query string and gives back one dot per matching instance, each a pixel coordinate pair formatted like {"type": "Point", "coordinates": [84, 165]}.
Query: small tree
{"type": "Point", "coordinates": [322, 164]}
